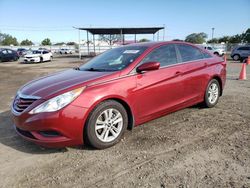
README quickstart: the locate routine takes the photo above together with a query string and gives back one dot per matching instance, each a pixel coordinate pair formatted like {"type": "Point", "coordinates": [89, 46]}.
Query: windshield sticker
{"type": "Point", "coordinates": [131, 51]}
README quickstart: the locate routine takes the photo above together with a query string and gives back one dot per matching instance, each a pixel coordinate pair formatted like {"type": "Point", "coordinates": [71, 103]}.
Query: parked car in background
{"type": "Point", "coordinates": [240, 53]}
{"type": "Point", "coordinates": [65, 51]}
{"type": "Point", "coordinates": [45, 49]}
{"type": "Point", "coordinates": [119, 89]}
{"type": "Point", "coordinates": [21, 52]}
{"type": "Point", "coordinates": [8, 55]}
{"type": "Point", "coordinates": [215, 50]}
{"type": "Point", "coordinates": [38, 56]}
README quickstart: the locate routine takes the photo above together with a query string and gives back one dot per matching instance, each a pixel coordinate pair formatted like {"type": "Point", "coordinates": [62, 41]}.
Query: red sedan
{"type": "Point", "coordinates": [117, 90]}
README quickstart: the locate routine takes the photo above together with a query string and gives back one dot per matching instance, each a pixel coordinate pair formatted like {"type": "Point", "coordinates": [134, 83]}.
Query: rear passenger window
{"type": "Point", "coordinates": [9, 51]}
{"type": "Point", "coordinates": [165, 55]}
{"type": "Point", "coordinates": [244, 48]}
{"type": "Point", "coordinates": [189, 53]}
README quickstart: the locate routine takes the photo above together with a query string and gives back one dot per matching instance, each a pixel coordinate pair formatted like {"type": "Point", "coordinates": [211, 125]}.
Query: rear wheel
{"type": "Point", "coordinates": [236, 57]}
{"type": "Point", "coordinates": [212, 93]}
{"type": "Point", "coordinates": [41, 59]}
{"type": "Point", "coordinates": [106, 124]}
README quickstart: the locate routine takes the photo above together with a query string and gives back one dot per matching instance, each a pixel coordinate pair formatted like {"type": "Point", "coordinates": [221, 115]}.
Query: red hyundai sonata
{"type": "Point", "coordinates": [117, 90]}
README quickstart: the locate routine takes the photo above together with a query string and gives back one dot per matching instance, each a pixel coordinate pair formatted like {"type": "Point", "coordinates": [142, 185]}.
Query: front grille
{"type": "Point", "coordinates": [20, 104]}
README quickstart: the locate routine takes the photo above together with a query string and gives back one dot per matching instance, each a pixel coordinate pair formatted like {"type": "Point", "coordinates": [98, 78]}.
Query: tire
{"type": "Point", "coordinates": [101, 135]}
{"type": "Point", "coordinates": [216, 53]}
{"type": "Point", "coordinates": [51, 58]}
{"type": "Point", "coordinates": [236, 57]}
{"type": "Point", "coordinates": [41, 59]}
{"type": "Point", "coordinates": [212, 93]}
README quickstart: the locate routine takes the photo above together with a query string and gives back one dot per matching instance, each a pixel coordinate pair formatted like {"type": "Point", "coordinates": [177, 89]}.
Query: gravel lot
{"type": "Point", "coordinates": [194, 147]}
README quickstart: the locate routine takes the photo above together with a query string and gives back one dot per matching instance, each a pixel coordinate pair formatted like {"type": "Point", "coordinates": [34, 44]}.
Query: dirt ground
{"type": "Point", "coordinates": [194, 147]}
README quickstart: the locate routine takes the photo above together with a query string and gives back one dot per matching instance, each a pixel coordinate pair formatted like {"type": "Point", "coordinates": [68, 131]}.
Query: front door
{"type": "Point", "coordinates": [159, 90]}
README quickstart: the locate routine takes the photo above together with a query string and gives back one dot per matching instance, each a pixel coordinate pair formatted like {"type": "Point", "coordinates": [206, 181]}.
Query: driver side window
{"type": "Point", "coordinates": [165, 55]}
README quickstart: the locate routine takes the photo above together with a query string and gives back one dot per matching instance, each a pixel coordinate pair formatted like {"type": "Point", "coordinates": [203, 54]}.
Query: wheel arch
{"type": "Point", "coordinates": [124, 103]}
{"type": "Point", "coordinates": [128, 110]}
{"type": "Point", "coordinates": [216, 77]}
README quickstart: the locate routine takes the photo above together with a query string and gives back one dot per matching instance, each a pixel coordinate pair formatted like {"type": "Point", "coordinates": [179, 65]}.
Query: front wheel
{"type": "Point", "coordinates": [106, 124]}
{"type": "Point", "coordinates": [212, 93]}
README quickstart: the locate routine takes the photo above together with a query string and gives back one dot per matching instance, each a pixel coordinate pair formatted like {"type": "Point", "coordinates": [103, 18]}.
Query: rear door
{"type": "Point", "coordinates": [194, 75]}
{"type": "Point", "coordinates": [244, 51]}
{"type": "Point", "coordinates": [46, 55]}
{"type": "Point", "coordinates": [10, 55]}
{"type": "Point", "coordinates": [157, 91]}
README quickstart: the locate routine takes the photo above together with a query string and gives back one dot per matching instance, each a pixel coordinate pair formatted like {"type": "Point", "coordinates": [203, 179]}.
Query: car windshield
{"type": "Point", "coordinates": [36, 52]}
{"type": "Point", "coordinates": [115, 59]}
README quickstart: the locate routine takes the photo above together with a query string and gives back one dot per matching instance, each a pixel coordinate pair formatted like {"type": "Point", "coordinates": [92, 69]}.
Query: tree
{"type": "Point", "coordinates": [213, 41]}
{"type": "Point", "coordinates": [110, 39]}
{"type": "Point", "coordinates": [59, 43]}
{"type": "Point", "coordinates": [197, 38]}
{"type": "Point", "coordinates": [224, 39]}
{"type": "Point", "coordinates": [26, 42]}
{"type": "Point", "coordinates": [177, 40]}
{"type": "Point", "coordinates": [235, 39]}
{"type": "Point", "coordinates": [46, 42]}
{"type": "Point", "coordinates": [143, 40]}
{"type": "Point", "coordinates": [71, 43]}
{"type": "Point", "coordinates": [7, 40]}
{"type": "Point", "coordinates": [246, 36]}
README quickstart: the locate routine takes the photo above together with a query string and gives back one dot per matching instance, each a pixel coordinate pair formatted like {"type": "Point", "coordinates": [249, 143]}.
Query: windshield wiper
{"type": "Point", "coordinates": [94, 69]}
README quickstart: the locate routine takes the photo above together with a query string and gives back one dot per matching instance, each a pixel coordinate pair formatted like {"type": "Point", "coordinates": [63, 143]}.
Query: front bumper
{"type": "Point", "coordinates": [52, 129]}
{"type": "Point", "coordinates": [31, 60]}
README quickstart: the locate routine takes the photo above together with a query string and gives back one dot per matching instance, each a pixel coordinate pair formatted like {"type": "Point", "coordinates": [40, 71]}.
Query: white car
{"type": "Point", "coordinates": [65, 51]}
{"type": "Point", "coordinates": [38, 56]}
{"type": "Point", "coordinates": [216, 51]}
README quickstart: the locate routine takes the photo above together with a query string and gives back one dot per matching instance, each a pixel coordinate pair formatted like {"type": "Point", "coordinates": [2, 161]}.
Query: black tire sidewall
{"type": "Point", "coordinates": [207, 103]}
{"type": "Point", "coordinates": [89, 129]}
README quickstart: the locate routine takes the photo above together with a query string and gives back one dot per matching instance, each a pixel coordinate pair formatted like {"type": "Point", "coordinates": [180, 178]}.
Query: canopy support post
{"type": "Point", "coordinates": [79, 44]}
{"type": "Point", "coordinates": [94, 42]}
{"type": "Point", "coordinates": [88, 41]}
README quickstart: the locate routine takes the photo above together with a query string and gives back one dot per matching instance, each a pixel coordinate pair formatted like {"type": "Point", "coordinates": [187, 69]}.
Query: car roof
{"type": "Point", "coordinates": [155, 44]}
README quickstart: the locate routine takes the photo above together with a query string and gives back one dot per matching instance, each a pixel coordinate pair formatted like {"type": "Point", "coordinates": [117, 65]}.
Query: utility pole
{"type": "Point", "coordinates": [213, 33]}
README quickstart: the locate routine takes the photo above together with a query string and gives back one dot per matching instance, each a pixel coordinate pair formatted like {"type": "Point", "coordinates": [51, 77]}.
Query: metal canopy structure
{"type": "Point", "coordinates": [118, 31]}
{"type": "Point", "coordinates": [124, 30]}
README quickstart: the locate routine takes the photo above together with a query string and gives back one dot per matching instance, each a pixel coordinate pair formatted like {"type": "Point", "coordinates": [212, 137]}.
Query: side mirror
{"type": "Point", "coordinates": [149, 66]}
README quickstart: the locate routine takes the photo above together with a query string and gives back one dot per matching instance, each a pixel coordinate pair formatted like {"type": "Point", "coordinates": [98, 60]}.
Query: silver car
{"type": "Point", "coordinates": [240, 53]}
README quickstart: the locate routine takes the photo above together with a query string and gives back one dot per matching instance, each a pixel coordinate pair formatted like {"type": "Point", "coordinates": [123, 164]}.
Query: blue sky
{"type": "Point", "coordinates": [54, 19]}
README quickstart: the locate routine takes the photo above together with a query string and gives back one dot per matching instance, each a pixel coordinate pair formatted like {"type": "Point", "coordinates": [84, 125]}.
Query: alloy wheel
{"type": "Point", "coordinates": [213, 93]}
{"type": "Point", "coordinates": [108, 125]}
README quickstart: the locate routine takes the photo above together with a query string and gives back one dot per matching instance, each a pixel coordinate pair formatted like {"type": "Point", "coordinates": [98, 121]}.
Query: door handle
{"type": "Point", "coordinates": [178, 72]}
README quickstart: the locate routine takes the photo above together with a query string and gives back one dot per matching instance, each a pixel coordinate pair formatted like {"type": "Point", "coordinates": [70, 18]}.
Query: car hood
{"type": "Point", "coordinates": [51, 85]}
{"type": "Point", "coordinates": [32, 55]}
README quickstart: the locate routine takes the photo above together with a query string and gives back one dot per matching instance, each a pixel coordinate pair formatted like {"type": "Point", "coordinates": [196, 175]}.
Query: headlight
{"type": "Point", "coordinates": [57, 102]}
